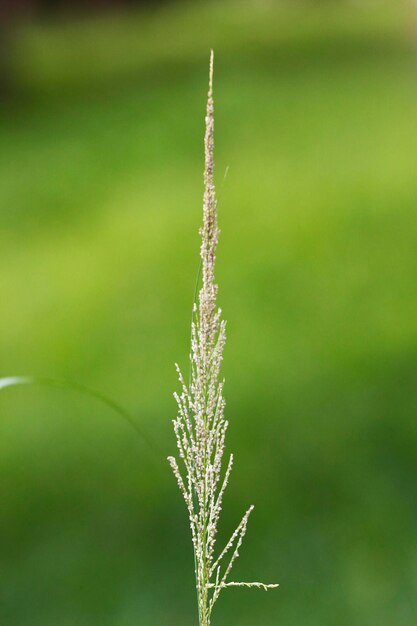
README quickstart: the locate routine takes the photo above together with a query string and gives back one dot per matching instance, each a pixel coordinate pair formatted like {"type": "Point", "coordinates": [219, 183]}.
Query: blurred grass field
{"type": "Point", "coordinates": [100, 200]}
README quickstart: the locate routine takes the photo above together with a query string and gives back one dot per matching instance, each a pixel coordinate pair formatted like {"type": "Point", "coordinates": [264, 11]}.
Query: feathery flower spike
{"type": "Point", "coordinates": [200, 426]}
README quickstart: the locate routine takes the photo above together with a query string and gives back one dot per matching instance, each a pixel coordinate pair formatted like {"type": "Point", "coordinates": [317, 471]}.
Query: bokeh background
{"type": "Point", "coordinates": [102, 120]}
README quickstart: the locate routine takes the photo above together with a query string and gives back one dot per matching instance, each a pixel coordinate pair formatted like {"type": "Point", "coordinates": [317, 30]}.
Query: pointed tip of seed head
{"type": "Point", "coordinates": [211, 70]}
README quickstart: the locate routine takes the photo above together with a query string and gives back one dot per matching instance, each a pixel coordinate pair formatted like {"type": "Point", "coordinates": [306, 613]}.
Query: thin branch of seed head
{"type": "Point", "coordinates": [263, 586]}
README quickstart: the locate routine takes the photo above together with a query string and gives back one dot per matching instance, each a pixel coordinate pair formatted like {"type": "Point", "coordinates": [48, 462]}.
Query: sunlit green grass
{"type": "Point", "coordinates": [100, 196]}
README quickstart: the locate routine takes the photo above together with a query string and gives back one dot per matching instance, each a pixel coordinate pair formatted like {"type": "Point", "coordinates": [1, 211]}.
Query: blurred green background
{"type": "Point", "coordinates": [100, 197]}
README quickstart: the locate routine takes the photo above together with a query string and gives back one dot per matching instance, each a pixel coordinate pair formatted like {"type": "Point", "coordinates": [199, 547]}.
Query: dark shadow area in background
{"type": "Point", "coordinates": [14, 13]}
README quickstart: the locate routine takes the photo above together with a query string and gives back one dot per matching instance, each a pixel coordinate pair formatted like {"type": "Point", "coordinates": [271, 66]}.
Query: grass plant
{"type": "Point", "coordinates": [200, 426]}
